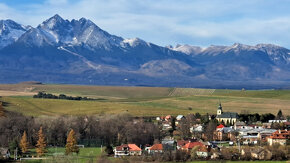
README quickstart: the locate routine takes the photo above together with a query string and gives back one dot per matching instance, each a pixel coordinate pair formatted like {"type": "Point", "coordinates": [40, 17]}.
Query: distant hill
{"type": "Point", "coordinates": [30, 83]}
{"type": "Point", "coordinates": [79, 52]}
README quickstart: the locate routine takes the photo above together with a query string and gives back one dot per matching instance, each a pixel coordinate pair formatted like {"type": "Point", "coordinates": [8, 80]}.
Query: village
{"type": "Point", "coordinates": [231, 139]}
{"type": "Point", "coordinates": [224, 136]}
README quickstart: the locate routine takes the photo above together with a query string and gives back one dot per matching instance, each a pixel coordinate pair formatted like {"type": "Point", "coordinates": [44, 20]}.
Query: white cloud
{"type": "Point", "coordinates": [199, 22]}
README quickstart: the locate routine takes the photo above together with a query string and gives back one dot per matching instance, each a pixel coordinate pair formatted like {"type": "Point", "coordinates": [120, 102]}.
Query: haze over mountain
{"type": "Point", "coordinates": [79, 52]}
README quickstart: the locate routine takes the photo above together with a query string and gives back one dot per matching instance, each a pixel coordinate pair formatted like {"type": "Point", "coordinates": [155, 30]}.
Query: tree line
{"type": "Point", "coordinates": [107, 130]}
{"type": "Point", "coordinates": [62, 96]}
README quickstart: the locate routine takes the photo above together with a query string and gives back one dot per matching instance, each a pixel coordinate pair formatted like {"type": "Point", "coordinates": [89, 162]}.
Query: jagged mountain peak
{"type": "Point", "coordinates": [52, 22]}
{"type": "Point", "coordinates": [8, 25]}
{"type": "Point", "coordinates": [78, 51]}
{"type": "Point", "coordinates": [10, 31]}
{"type": "Point", "coordinates": [59, 31]}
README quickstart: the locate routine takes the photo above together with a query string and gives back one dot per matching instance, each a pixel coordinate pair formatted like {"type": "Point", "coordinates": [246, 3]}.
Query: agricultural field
{"type": "Point", "coordinates": [141, 101]}
{"type": "Point", "coordinates": [89, 91]}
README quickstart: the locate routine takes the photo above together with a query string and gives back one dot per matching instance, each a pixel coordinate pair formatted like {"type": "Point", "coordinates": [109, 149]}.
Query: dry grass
{"type": "Point", "coordinates": [90, 91]}
{"type": "Point", "coordinates": [16, 93]}
{"type": "Point", "coordinates": [141, 101]}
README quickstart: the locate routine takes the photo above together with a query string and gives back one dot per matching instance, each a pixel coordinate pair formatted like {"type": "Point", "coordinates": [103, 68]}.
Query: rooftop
{"type": "Point", "coordinates": [228, 115]}
{"type": "Point", "coordinates": [156, 147]}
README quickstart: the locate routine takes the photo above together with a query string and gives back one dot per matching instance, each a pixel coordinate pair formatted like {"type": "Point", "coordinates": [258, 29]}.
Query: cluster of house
{"type": "Point", "coordinates": [237, 133]}
{"type": "Point", "coordinates": [203, 149]}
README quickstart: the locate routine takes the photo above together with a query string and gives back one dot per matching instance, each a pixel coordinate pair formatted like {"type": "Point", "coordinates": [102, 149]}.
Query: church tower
{"type": "Point", "coordinates": [220, 109]}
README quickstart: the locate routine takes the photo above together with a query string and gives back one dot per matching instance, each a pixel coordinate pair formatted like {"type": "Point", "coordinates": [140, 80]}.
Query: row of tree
{"type": "Point", "coordinates": [61, 96]}
{"type": "Point", "coordinates": [71, 143]}
{"type": "Point", "coordinates": [106, 130]}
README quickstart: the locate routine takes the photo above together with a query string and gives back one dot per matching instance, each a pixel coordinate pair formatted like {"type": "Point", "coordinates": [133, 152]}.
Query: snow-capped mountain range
{"type": "Point", "coordinates": [79, 52]}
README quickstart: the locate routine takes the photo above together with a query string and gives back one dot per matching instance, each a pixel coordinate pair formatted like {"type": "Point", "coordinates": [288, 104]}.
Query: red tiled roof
{"type": "Point", "coordinates": [182, 142]}
{"type": "Point", "coordinates": [132, 147]}
{"type": "Point", "coordinates": [168, 117]}
{"type": "Point", "coordinates": [220, 126]}
{"type": "Point", "coordinates": [280, 134]}
{"type": "Point", "coordinates": [156, 147]}
{"type": "Point", "coordinates": [191, 145]}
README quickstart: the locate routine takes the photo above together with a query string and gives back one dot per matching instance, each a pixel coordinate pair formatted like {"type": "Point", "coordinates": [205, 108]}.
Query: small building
{"type": "Point", "coordinates": [239, 125]}
{"type": "Point", "coordinates": [224, 133]}
{"type": "Point", "coordinates": [190, 145]}
{"type": "Point", "coordinates": [168, 144]}
{"type": "Point", "coordinates": [257, 153]}
{"type": "Point", "coordinates": [179, 118]}
{"type": "Point", "coordinates": [5, 153]}
{"type": "Point", "coordinates": [127, 150]}
{"type": "Point", "coordinates": [181, 143]}
{"type": "Point", "coordinates": [226, 117]}
{"type": "Point", "coordinates": [203, 152]}
{"type": "Point", "coordinates": [168, 118]}
{"type": "Point", "coordinates": [281, 137]}
{"type": "Point", "coordinates": [260, 153]}
{"type": "Point", "coordinates": [220, 127]}
{"type": "Point", "coordinates": [166, 126]}
{"type": "Point", "coordinates": [196, 128]}
{"type": "Point", "coordinates": [156, 148]}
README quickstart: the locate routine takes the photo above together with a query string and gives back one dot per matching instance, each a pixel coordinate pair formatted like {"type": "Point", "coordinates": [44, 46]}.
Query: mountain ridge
{"type": "Point", "coordinates": [79, 52]}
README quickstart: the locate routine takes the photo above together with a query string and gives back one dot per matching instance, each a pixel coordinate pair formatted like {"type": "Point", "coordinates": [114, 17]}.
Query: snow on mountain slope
{"type": "Point", "coordinates": [77, 32]}
{"type": "Point", "coordinates": [133, 42]}
{"type": "Point", "coordinates": [78, 51]}
{"type": "Point", "coordinates": [10, 31]}
{"type": "Point", "coordinates": [187, 49]}
{"type": "Point", "coordinates": [274, 52]}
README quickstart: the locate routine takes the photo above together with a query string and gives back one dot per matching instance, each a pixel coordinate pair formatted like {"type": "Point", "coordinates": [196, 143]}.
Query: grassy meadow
{"type": "Point", "coordinates": [88, 154]}
{"type": "Point", "coordinates": [141, 101]}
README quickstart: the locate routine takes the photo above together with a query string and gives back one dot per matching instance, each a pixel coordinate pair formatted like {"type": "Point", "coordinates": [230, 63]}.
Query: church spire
{"type": "Point", "coordinates": [220, 109]}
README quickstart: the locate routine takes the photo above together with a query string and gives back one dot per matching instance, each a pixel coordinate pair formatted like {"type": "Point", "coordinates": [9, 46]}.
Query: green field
{"type": "Point", "coordinates": [239, 161]}
{"type": "Point", "coordinates": [142, 101]}
{"type": "Point", "coordinates": [58, 155]}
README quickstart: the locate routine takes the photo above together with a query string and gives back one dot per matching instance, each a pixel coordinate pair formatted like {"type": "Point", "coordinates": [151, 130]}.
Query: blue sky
{"type": "Point", "coordinates": [168, 22]}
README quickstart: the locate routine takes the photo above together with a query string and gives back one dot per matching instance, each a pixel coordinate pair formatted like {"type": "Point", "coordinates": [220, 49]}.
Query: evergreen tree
{"type": "Point", "coordinates": [280, 115]}
{"type": "Point", "coordinates": [24, 143]}
{"type": "Point", "coordinates": [41, 144]}
{"type": "Point", "coordinates": [14, 147]}
{"type": "Point", "coordinates": [71, 143]}
{"type": "Point", "coordinates": [2, 114]}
